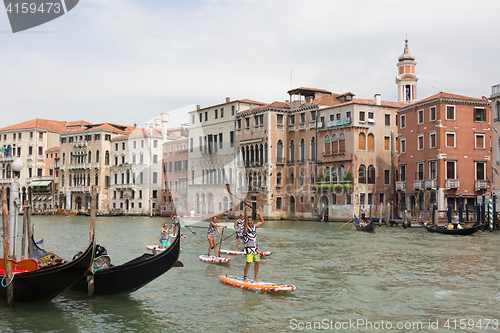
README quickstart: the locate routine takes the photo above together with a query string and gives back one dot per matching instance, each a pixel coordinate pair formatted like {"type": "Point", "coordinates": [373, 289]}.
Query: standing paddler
{"type": "Point", "coordinates": [239, 225]}
{"type": "Point", "coordinates": [251, 247]}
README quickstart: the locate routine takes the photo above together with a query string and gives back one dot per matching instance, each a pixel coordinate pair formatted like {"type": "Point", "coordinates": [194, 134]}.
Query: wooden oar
{"type": "Point", "coordinates": [348, 222]}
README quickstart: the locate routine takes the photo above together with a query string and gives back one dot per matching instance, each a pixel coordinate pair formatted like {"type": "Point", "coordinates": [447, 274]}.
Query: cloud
{"type": "Point", "coordinates": [127, 61]}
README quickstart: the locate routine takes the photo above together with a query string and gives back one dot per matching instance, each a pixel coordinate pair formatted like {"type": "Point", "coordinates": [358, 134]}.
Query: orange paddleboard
{"type": "Point", "coordinates": [263, 287]}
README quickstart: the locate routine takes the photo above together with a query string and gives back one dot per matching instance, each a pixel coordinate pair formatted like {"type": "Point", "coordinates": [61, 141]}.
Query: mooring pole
{"type": "Point", "coordinates": [93, 191]}
{"type": "Point", "coordinates": [6, 250]}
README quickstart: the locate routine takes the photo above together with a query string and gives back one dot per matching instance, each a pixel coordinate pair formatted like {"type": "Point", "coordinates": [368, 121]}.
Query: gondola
{"type": "Point", "coordinates": [131, 275]}
{"type": "Point", "coordinates": [444, 230]}
{"type": "Point", "coordinates": [49, 281]}
{"type": "Point", "coordinates": [105, 214]}
{"type": "Point", "coordinates": [369, 227]}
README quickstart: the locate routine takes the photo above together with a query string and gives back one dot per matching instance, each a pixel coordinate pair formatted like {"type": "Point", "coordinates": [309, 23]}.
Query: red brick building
{"type": "Point", "coordinates": [444, 144]}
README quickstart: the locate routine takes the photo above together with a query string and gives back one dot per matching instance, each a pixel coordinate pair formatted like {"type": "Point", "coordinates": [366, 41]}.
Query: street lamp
{"type": "Point", "coordinates": [17, 166]}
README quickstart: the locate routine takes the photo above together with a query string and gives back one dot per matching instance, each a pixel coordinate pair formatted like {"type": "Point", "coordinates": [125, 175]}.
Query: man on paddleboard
{"type": "Point", "coordinates": [251, 246]}
{"type": "Point", "coordinates": [239, 225]}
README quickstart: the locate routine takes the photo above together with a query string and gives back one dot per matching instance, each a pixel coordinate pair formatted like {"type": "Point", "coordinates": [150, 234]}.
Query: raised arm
{"type": "Point", "coordinates": [258, 224]}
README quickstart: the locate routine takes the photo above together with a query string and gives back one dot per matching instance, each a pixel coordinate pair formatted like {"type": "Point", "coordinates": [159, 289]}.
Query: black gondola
{"type": "Point", "coordinates": [444, 230]}
{"type": "Point", "coordinates": [49, 281]}
{"type": "Point", "coordinates": [134, 274]}
{"type": "Point", "coordinates": [369, 227]}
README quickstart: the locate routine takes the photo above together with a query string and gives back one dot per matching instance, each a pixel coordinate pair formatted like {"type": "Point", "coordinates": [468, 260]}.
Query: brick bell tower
{"type": "Point", "coordinates": [407, 79]}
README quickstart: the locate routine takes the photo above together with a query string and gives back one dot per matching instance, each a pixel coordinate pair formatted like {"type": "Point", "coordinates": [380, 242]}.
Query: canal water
{"type": "Point", "coordinates": [346, 281]}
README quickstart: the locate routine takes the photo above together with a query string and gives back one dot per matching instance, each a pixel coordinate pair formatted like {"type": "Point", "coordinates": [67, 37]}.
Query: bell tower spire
{"type": "Point", "coordinates": [407, 79]}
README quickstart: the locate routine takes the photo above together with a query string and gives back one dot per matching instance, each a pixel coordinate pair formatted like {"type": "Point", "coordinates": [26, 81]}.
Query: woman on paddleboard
{"type": "Point", "coordinates": [239, 225]}
{"type": "Point", "coordinates": [251, 246]}
{"type": "Point", "coordinates": [212, 239]}
{"type": "Point", "coordinates": [165, 237]}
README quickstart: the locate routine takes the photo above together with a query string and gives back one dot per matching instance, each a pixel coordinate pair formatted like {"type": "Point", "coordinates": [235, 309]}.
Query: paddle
{"type": "Point", "coordinates": [241, 200]}
{"type": "Point", "coordinates": [194, 233]}
{"type": "Point", "coordinates": [347, 222]}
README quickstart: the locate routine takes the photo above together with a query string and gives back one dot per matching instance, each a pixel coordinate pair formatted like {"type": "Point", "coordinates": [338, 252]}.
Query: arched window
{"type": "Point", "coordinates": [247, 160]}
{"type": "Point", "coordinates": [334, 174]}
{"type": "Point", "coordinates": [327, 174]}
{"type": "Point", "coordinates": [334, 199]}
{"type": "Point", "coordinates": [250, 182]}
{"type": "Point", "coordinates": [97, 157]}
{"type": "Point", "coordinates": [302, 150]}
{"type": "Point", "coordinates": [261, 158]}
{"type": "Point", "coordinates": [362, 141]}
{"type": "Point", "coordinates": [362, 174]}
{"type": "Point", "coordinates": [257, 154]}
{"type": "Point", "coordinates": [62, 181]}
{"type": "Point", "coordinates": [242, 156]}
{"type": "Point", "coordinates": [279, 152]}
{"type": "Point", "coordinates": [106, 158]}
{"type": "Point", "coordinates": [252, 156]}
{"type": "Point", "coordinates": [342, 172]}
{"type": "Point", "coordinates": [89, 157]}
{"type": "Point", "coordinates": [313, 178]}
{"type": "Point", "coordinates": [71, 158]}
{"type": "Point", "coordinates": [497, 111]}
{"type": "Point", "coordinates": [278, 179]}
{"type": "Point", "coordinates": [265, 153]}
{"type": "Point", "coordinates": [96, 180]}
{"type": "Point", "coordinates": [327, 145]}
{"type": "Point", "coordinates": [292, 151]}
{"type": "Point", "coordinates": [342, 142]}
{"type": "Point", "coordinates": [301, 179]}
{"type": "Point", "coordinates": [371, 142]}
{"type": "Point", "coordinates": [313, 148]}
{"type": "Point", "coordinates": [88, 180]}
{"type": "Point", "coordinates": [371, 174]}
{"type": "Point", "coordinates": [63, 159]}
{"type": "Point", "coordinates": [292, 179]}
{"type": "Point", "coordinates": [335, 143]}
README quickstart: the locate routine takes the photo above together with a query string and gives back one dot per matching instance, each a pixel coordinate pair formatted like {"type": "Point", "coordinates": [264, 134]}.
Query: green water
{"type": "Point", "coordinates": [392, 275]}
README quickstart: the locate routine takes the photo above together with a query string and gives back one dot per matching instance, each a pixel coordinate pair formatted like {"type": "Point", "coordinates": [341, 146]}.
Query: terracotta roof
{"type": "Point", "coordinates": [104, 126]}
{"type": "Point", "coordinates": [447, 96]}
{"type": "Point", "coordinates": [326, 100]}
{"type": "Point", "coordinates": [383, 103]}
{"type": "Point", "coordinates": [175, 141]}
{"type": "Point", "coordinates": [276, 104]}
{"type": "Point", "coordinates": [52, 149]}
{"type": "Point", "coordinates": [49, 125]}
{"type": "Point", "coordinates": [77, 123]}
{"type": "Point", "coordinates": [249, 101]}
{"type": "Point", "coordinates": [138, 132]}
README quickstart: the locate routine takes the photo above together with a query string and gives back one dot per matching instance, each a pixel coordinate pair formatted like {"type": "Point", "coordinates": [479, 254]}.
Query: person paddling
{"type": "Point", "coordinates": [251, 247]}
{"type": "Point", "coordinates": [212, 239]}
{"type": "Point", "coordinates": [239, 225]}
{"type": "Point", "coordinates": [165, 237]}
{"type": "Point", "coordinates": [177, 223]}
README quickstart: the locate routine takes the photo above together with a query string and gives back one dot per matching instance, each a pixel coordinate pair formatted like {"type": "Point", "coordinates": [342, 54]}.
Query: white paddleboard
{"type": "Point", "coordinates": [238, 253]}
{"type": "Point", "coordinates": [214, 259]}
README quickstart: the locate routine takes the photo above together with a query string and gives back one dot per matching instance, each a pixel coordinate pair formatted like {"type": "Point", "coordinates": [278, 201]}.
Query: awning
{"type": "Point", "coordinates": [78, 155]}
{"type": "Point", "coordinates": [40, 183]}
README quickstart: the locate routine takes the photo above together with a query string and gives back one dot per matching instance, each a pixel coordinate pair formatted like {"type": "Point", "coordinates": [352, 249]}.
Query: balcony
{"type": "Point", "coordinates": [431, 184]}
{"type": "Point", "coordinates": [279, 127]}
{"type": "Point", "coordinates": [450, 184]}
{"type": "Point", "coordinates": [80, 188]}
{"type": "Point", "coordinates": [280, 161]}
{"type": "Point", "coordinates": [401, 186]}
{"type": "Point", "coordinates": [481, 185]}
{"type": "Point", "coordinates": [40, 157]}
{"type": "Point", "coordinates": [8, 158]}
{"type": "Point", "coordinates": [96, 165]}
{"type": "Point", "coordinates": [418, 184]}
{"type": "Point", "coordinates": [124, 186]}
{"type": "Point", "coordinates": [6, 180]}
{"type": "Point", "coordinates": [63, 167]}
{"type": "Point", "coordinates": [302, 126]}
{"type": "Point", "coordinates": [79, 143]}
{"type": "Point", "coordinates": [29, 157]}
{"type": "Point", "coordinates": [291, 162]}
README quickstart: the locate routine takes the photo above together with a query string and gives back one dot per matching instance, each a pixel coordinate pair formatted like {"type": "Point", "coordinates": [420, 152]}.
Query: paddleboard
{"type": "Point", "coordinates": [173, 235]}
{"type": "Point", "coordinates": [156, 248]}
{"type": "Point", "coordinates": [214, 259]}
{"type": "Point", "coordinates": [263, 287]}
{"type": "Point", "coordinates": [238, 253]}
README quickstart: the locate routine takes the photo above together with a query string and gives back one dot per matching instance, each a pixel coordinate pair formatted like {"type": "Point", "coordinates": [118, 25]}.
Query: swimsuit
{"type": "Point", "coordinates": [240, 228]}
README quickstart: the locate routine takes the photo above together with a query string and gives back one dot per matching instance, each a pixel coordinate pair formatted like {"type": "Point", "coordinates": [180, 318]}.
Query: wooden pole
{"type": "Point", "coordinates": [387, 214]}
{"type": "Point", "coordinates": [6, 249]}
{"type": "Point", "coordinates": [27, 211]}
{"type": "Point", "coordinates": [93, 191]}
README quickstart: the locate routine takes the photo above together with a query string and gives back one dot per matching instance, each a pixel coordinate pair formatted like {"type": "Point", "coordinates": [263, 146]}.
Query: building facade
{"type": "Point", "coordinates": [495, 138]}
{"type": "Point", "coordinates": [175, 176]}
{"type": "Point", "coordinates": [444, 144]}
{"type": "Point", "coordinates": [212, 154]}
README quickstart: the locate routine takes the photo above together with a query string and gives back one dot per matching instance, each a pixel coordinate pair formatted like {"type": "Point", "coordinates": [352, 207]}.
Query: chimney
{"type": "Point", "coordinates": [197, 107]}
{"type": "Point", "coordinates": [157, 122]}
{"type": "Point", "coordinates": [228, 100]}
{"type": "Point", "coordinates": [164, 123]}
{"type": "Point", "coordinates": [378, 99]}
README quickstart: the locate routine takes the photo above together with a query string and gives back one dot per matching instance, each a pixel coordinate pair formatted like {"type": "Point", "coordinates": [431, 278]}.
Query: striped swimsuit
{"type": "Point", "coordinates": [250, 240]}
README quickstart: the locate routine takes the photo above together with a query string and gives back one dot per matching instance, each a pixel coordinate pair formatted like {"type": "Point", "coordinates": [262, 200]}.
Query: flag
{"type": "Point", "coordinates": [7, 151]}
{"type": "Point", "coordinates": [2, 151]}
{"type": "Point", "coordinates": [40, 242]}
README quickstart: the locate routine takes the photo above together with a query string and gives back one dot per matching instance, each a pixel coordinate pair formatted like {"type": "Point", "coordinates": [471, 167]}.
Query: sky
{"type": "Point", "coordinates": [126, 61]}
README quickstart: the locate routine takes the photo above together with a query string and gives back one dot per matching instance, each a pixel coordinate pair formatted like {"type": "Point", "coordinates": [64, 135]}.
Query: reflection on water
{"type": "Point", "coordinates": [392, 275]}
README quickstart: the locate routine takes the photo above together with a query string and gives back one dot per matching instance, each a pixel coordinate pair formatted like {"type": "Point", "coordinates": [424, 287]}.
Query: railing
{"type": "Point", "coordinates": [481, 185]}
{"type": "Point", "coordinates": [6, 180]}
{"type": "Point", "coordinates": [290, 162]}
{"type": "Point", "coordinates": [418, 184]}
{"type": "Point", "coordinates": [80, 188]}
{"type": "Point", "coordinates": [29, 157]}
{"type": "Point", "coordinates": [79, 143]}
{"type": "Point", "coordinates": [43, 178]}
{"type": "Point", "coordinates": [7, 158]}
{"type": "Point", "coordinates": [63, 167]}
{"type": "Point", "coordinates": [431, 184]}
{"type": "Point", "coordinates": [40, 157]}
{"type": "Point", "coordinates": [280, 161]}
{"type": "Point", "coordinates": [401, 186]}
{"type": "Point", "coordinates": [96, 165]}
{"type": "Point", "coordinates": [452, 184]}
{"type": "Point", "coordinates": [279, 127]}
{"type": "Point", "coordinates": [302, 126]}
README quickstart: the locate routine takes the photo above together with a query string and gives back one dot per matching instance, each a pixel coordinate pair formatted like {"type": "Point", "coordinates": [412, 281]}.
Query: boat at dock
{"type": "Point", "coordinates": [444, 230]}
